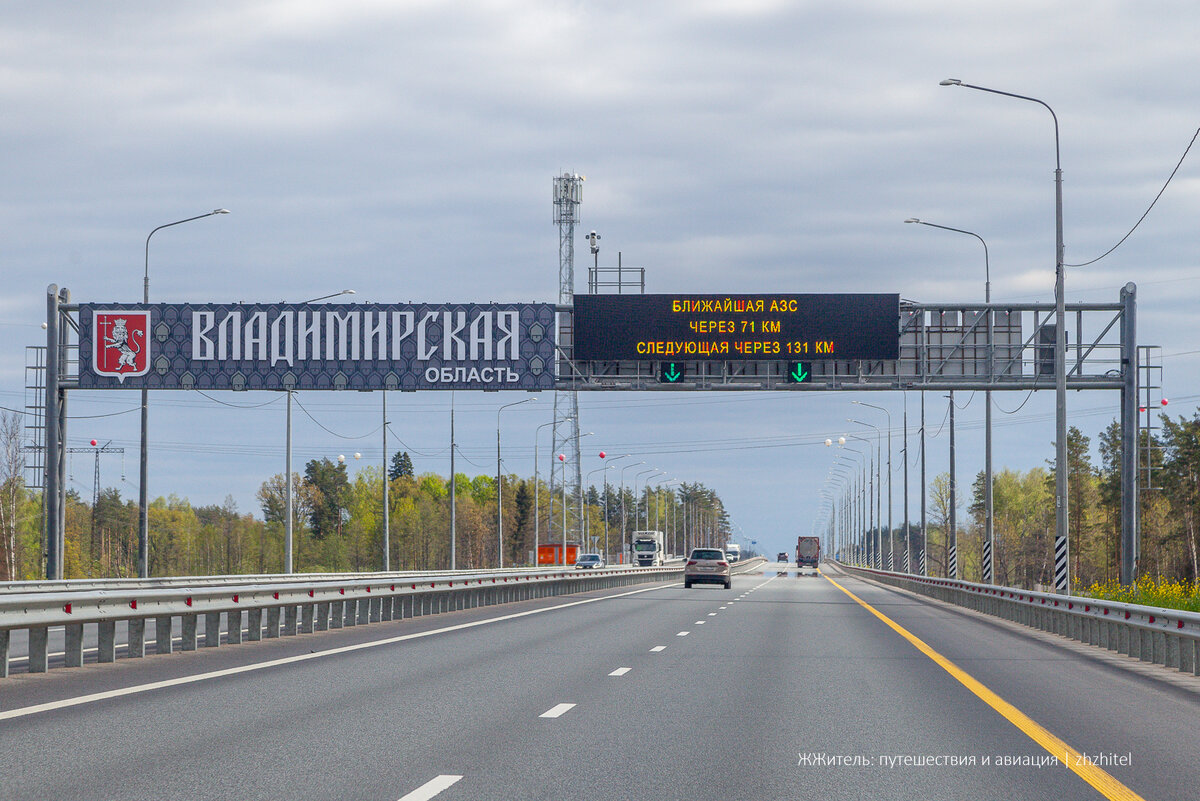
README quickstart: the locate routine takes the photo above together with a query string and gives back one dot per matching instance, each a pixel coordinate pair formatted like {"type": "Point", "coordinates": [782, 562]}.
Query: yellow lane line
{"type": "Point", "coordinates": [1090, 773]}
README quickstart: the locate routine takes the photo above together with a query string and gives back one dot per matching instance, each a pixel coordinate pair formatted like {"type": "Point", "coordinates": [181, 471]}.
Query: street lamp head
{"type": "Point", "coordinates": [841, 440]}
{"type": "Point", "coordinates": [912, 220]}
{"type": "Point", "coordinates": [828, 443]}
{"type": "Point", "coordinates": [950, 82]}
{"type": "Point", "coordinates": [220, 211]}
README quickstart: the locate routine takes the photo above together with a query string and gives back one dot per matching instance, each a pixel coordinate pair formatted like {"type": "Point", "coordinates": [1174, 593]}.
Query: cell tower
{"type": "Point", "coordinates": [566, 472]}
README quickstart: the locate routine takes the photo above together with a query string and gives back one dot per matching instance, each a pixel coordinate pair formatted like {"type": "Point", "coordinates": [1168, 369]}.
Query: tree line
{"type": "Point", "coordinates": [338, 523]}
{"type": "Point", "coordinates": [1023, 514]}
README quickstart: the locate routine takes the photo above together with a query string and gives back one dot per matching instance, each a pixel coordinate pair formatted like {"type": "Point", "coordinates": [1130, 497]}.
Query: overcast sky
{"type": "Point", "coordinates": [406, 150]}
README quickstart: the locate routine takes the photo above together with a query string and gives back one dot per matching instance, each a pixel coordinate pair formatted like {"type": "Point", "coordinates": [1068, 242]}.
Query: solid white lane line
{"type": "Point", "coordinates": [682, 634]}
{"type": "Point", "coordinates": [431, 788]}
{"type": "Point", "coordinates": [658, 648]}
{"type": "Point", "coordinates": [620, 671]}
{"type": "Point", "coordinates": [216, 674]}
{"type": "Point", "coordinates": [556, 710]}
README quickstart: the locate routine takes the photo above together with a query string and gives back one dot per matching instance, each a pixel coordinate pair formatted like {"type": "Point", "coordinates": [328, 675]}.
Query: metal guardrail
{"type": "Point", "coordinates": [1168, 637]}
{"type": "Point", "coordinates": [294, 604]}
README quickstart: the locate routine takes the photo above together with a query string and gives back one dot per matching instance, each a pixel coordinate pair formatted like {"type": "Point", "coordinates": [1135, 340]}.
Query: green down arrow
{"type": "Point", "coordinates": [672, 375]}
{"type": "Point", "coordinates": [799, 373]}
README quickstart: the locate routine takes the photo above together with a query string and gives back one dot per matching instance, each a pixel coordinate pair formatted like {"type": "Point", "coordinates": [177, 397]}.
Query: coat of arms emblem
{"type": "Point", "coordinates": [122, 347]}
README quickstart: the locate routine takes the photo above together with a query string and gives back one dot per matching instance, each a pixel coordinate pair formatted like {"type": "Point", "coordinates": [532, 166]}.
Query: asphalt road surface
{"type": "Point", "coordinates": [784, 687]}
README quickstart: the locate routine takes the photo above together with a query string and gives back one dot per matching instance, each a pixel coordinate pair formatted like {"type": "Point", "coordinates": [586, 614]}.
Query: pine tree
{"type": "Point", "coordinates": [402, 466]}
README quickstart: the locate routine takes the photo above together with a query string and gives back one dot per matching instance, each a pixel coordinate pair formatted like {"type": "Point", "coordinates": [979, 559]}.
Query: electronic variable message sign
{"type": "Point", "coordinates": [789, 328]}
{"type": "Point", "coordinates": [405, 346]}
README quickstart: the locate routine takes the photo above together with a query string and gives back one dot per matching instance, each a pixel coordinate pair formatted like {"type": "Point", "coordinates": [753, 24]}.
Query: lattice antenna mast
{"type": "Point", "coordinates": [566, 473]}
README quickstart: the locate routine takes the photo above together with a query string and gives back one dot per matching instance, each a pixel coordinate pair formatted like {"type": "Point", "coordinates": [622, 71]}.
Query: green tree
{"type": "Point", "coordinates": [402, 466]}
{"type": "Point", "coordinates": [330, 488]}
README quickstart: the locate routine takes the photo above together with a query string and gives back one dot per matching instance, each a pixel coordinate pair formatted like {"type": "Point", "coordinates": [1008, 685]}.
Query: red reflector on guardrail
{"type": "Point", "coordinates": [187, 601]}
{"type": "Point", "coordinates": [275, 595]}
{"type": "Point", "coordinates": [133, 604]}
{"type": "Point", "coordinates": [310, 594]}
{"type": "Point", "coordinates": [235, 598]}
{"type": "Point", "coordinates": [67, 609]}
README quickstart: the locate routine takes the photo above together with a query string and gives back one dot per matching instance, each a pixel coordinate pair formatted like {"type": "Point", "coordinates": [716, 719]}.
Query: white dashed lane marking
{"type": "Point", "coordinates": [556, 711]}
{"type": "Point", "coordinates": [620, 671]}
{"type": "Point", "coordinates": [431, 788]}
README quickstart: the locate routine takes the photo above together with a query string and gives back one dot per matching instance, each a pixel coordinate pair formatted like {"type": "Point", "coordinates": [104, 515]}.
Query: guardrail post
{"type": "Point", "coordinates": [272, 622]}
{"type": "Point", "coordinates": [307, 613]}
{"type": "Point", "coordinates": [73, 656]}
{"type": "Point", "coordinates": [254, 625]}
{"type": "Point", "coordinates": [187, 633]}
{"type": "Point", "coordinates": [375, 609]}
{"type": "Point", "coordinates": [1172, 656]}
{"type": "Point", "coordinates": [212, 629]}
{"type": "Point", "coordinates": [135, 629]}
{"type": "Point", "coordinates": [289, 621]}
{"type": "Point", "coordinates": [322, 621]}
{"type": "Point", "coordinates": [106, 641]}
{"type": "Point", "coordinates": [337, 614]}
{"type": "Point", "coordinates": [37, 649]}
{"type": "Point", "coordinates": [233, 627]}
{"type": "Point", "coordinates": [3, 653]}
{"type": "Point", "coordinates": [385, 607]}
{"type": "Point", "coordinates": [162, 635]}
{"type": "Point", "coordinates": [364, 611]}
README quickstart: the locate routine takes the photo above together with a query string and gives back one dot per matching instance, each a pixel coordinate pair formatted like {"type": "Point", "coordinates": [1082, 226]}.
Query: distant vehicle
{"type": "Point", "coordinates": [589, 560]}
{"type": "Point", "coordinates": [734, 550]}
{"type": "Point", "coordinates": [782, 557]}
{"type": "Point", "coordinates": [648, 548]}
{"type": "Point", "coordinates": [808, 551]}
{"type": "Point", "coordinates": [707, 566]}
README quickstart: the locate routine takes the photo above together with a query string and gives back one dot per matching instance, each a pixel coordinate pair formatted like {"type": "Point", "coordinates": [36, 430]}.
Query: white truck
{"type": "Point", "coordinates": [735, 552]}
{"type": "Point", "coordinates": [648, 548]}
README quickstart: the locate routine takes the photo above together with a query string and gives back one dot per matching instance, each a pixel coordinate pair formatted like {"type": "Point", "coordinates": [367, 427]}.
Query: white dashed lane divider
{"type": "Point", "coordinates": [658, 648]}
{"type": "Point", "coordinates": [556, 711]}
{"type": "Point", "coordinates": [431, 788]}
{"type": "Point", "coordinates": [620, 671]}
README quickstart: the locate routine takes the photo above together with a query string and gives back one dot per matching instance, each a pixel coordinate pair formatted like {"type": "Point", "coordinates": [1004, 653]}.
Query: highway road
{"type": "Point", "coordinates": [784, 687]}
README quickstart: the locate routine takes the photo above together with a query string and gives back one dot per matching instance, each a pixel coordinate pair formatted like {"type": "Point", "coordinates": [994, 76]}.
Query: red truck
{"type": "Point", "coordinates": [808, 551]}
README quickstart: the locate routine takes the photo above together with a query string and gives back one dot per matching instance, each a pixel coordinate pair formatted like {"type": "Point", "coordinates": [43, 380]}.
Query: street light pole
{"type": "Point", "coordinates": [608, 462]}
{"type": "Point", "coordinates": [287, 469]}
{"type": "Point", "coordinates": [537, 511]}
{"type": "Point", "coordinates": [891, 530]}
{"type": "Point", "coordinates": [989, 534]}
{"type": "Point", "coordinates": [1062, 578]}
{"type": "Point", "coordinates": [622, 491]}
{"type": "Point", "coordinates": [143, 467]}
{"type": "Point", "coordinates": [500, 485]}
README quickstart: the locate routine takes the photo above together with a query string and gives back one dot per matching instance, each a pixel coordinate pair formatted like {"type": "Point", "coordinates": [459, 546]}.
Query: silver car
{"type": "Point", "coordinates": [589, 560]}
{"type": "Point", "coordinates": [707, 566]}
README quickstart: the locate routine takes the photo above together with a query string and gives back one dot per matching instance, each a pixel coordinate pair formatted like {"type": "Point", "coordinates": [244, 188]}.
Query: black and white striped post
{"type": "Point", "coordinates": [952, 563]}
{"type": "Point", "coordinates": [987, 562]}
{"type": "Point", "coordinates": [1060, 566]}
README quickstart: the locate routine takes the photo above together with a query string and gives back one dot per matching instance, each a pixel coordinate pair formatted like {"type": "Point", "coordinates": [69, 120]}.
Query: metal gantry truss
{"type": "Point", "coordinates": [943, 347]}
